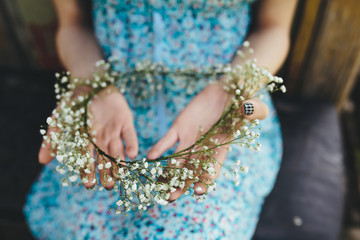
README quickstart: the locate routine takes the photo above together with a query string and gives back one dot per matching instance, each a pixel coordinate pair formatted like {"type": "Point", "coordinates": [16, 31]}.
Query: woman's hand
{"type": "Point", "coordinates": [202, 112]}
{"type": "Point", "coordinates": [112, 120]}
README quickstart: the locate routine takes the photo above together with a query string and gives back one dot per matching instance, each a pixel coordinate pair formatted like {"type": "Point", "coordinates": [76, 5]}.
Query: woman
{"type": "Point", "coordinates": [179, 33]}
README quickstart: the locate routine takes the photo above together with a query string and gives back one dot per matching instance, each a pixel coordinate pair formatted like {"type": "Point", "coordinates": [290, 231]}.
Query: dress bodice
{"type": "Point", "coordinates": [211, 29]}
{"type": "Point", "coordinates": [197, 5]}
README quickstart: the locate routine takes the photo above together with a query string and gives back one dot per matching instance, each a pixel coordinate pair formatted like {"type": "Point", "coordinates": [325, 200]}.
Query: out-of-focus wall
{"type": "Point", "coordinates": [27, 29]}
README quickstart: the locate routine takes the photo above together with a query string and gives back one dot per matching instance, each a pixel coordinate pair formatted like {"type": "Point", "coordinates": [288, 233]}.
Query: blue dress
{"type": "Point", "coordinates": [198, 32]}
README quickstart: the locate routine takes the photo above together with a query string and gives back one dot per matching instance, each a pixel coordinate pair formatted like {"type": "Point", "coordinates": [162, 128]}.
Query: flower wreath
{"type": "Point", "coordinates": [138, 184]}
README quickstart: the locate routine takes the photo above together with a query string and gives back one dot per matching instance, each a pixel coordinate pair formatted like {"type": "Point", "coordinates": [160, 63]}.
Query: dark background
{"type": "Point", "coordinates": [27, 65]}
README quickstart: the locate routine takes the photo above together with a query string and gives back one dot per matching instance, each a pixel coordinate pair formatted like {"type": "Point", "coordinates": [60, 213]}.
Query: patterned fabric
{"type": "Point", "coordinates": [178, 33]}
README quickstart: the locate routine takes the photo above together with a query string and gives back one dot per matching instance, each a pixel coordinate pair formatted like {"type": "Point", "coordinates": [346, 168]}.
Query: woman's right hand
{"type": "Point", "coordinates": [112, 120]}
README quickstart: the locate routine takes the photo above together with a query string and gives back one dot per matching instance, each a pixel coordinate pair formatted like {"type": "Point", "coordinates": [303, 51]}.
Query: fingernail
{"type": "Point", "coordinates": [248, 108]}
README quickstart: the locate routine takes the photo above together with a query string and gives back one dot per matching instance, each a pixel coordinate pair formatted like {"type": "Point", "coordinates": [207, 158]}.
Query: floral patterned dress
{"type": "Point", "coordinates": [179, 33]}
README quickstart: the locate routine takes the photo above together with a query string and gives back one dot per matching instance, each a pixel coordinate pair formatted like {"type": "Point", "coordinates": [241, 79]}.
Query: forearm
{"type": "Point", "coordinates": [78, 49]}
{"type": "Point", "coordinates": [271, 38]}
{"type": "Point", "coordinates": [270, 45]}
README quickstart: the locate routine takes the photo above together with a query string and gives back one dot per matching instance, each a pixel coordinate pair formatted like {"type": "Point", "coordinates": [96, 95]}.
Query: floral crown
{"type": "Point", "coordinates": [69, 132]}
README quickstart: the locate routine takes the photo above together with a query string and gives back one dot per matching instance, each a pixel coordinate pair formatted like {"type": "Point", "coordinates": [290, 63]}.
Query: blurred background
{"type": "Point", "coordinates": [316, 195]}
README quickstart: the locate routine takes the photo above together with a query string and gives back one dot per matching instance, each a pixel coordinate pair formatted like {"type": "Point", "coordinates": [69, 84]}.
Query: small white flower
{"type": "Point", "coordinates": [161, 201]}
{"type": "Point", "coordinates": [87, 171]}
{"type": "Point", "coordinates": [60, 158]}
{"type": "Point", "coordinates": [49, 120]}
{"type": "Point", "coordinates": [107, 165]}
{"type": "Point", "coordinates": [109, 179]}
{"type": "Point", "coordinates": [42, 132]}
{"type": "Point", "coordinates": [73, 178]}
{"type": "Point", "coordinates": [244, 169]}
{"type": "Point", "coordinates": [119, 203]}
{"type": "Point", "coordinates": [211, 171]}
{"type": "Point", "coordinates": [135, 166]}
{"type": "Point", "coordinates": [100, 166]}
{"type": "Point", "coordinates": [64, 184]}
{"type": "Point", "coordinates": [60, 170]}
{"type": "Point", "coordinates": [283, 88]}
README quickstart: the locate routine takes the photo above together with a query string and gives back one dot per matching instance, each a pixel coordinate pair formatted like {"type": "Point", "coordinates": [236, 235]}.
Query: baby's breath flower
{"type": "Point", "coordinates": [49, 120]}
{"type": "Point", "coordinates": [107, 165]}
{"type": "Point", "coordinates": [73, 178]}
{"type": "Point", "coordinates": [64, 184]}
{"type": "Point", "coordinates": [137, 184]}
{"type": "Point", "coordinates": [244, 169]}
{"type": "Point", "coordinates": [119, 203]}
{"type": "Point", "coordinates": [100, 166]}
{"type": "Point", "coordinates": [198, 189]}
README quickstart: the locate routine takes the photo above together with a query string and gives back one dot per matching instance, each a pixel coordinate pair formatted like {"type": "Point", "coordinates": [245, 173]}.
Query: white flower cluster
{"type": "Point", "coordinates": [68, 140]}
{"type": "Point", "coordinates": [141, 183]}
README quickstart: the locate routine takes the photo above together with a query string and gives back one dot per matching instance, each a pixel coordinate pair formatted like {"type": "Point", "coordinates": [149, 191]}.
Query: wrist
{"type": "Point", "coordinates": [216, 90]}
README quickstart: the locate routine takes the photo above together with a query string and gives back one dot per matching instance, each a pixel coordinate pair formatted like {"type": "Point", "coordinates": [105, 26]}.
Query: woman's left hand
{"type": "Point", "coordinates": [202, 112]}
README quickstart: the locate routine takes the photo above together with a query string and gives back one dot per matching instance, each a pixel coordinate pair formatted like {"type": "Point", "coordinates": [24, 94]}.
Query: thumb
{"type": "Point", "coordinates": [254, 109]}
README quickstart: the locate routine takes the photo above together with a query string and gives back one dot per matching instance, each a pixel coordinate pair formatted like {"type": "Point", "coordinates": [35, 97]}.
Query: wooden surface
{"type": "Point", "coordinates": [306, 21]}
{"type": "Point", "coordinates": [326, 56]}
{"type": "Point", "coordinates": [28, 32]}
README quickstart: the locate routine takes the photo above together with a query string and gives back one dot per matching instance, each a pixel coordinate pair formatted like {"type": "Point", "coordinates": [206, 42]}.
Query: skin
{"type": "Point", "coordinates": [79, 50]}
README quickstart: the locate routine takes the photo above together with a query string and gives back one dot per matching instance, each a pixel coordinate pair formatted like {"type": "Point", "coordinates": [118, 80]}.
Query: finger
{"type": "Point", "coordinates": [116, 150]}
{"type": "Point", "coordinates": [106, 180]}
{"type": "Point", "coordinates": [183, 163]}
{"type": "Point", "coordinates": [45, 153]}
{"type": "Point", "coordinates": [89, 171]}
{"type": "Point", "coordinates": [180, 191]}
{"type": "Point", "coordinates": [206, 178]}
{"type": "Point", "coordinates": [254, 109]}
{"type": "Point", "coordinates": [165, 143]}
{"type": "Point", "coordinates": [131, 141]}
